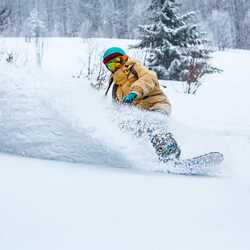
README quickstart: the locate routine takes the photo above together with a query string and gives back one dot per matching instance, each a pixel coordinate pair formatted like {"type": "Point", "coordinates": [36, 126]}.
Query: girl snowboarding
{"type": "Point", "coordinates": [134, 84]}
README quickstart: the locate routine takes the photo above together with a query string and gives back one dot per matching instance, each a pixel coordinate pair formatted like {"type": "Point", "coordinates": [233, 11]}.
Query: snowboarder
{"type": "Point", "coordinates": [136, 85]}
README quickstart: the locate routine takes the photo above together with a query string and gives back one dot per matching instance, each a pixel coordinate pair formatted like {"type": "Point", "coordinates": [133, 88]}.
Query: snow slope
{"type": "Point", "coordinates": [88, 205]}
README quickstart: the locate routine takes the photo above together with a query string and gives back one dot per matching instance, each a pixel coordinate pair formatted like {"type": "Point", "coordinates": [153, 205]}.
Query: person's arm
{"type": "Point", "coordinates": [146, 82]}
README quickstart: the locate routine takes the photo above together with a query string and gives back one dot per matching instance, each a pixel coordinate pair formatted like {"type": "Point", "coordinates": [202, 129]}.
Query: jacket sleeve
{"type": "Point", "coordinates": [146, 82]}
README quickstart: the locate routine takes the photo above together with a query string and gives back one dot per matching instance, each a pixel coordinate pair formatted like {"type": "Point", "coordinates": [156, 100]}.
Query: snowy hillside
{"type": "Point", "coordinates": [98, 192]}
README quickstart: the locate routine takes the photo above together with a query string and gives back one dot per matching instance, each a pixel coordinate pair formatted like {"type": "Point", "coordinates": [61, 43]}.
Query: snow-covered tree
{"type": "Point", "coordinates": [120, 19]}
{"type": "Point", "coordinates": [4, 14]}
{"type": "Point", "coordinates": [35, 28]}
{"type": "Point", "coordinates": [221, 27]}
{"type": "Point", "coordinates": [237, 10]}
{"type": "Point", "coordinates": [247, 29]}
{"type": "Point", "coordinates": [175, 43]}
{"type": "Point", "coordinates": [91, 18]}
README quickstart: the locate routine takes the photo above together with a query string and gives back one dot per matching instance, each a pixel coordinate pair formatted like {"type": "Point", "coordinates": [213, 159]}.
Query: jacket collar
{"type": "Point", "coordinates": [118, 74]}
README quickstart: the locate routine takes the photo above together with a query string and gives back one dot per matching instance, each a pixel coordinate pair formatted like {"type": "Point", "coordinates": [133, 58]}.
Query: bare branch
{"type": "Point", "coordinates": [4, 15]}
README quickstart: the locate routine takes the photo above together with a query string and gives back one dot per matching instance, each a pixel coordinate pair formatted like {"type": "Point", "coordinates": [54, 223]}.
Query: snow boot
{"type": "Point", "coordinates": [166, 147]}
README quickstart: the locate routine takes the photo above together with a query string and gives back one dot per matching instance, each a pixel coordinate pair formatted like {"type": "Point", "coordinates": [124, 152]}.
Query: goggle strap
{"type": "Point", "coordinates": [110, 83]}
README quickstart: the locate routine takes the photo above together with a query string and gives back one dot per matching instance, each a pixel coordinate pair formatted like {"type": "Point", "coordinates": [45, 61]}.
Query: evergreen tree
{"type": "Point", "coordinates": [175, 43]}
{"type": "Point", "coordinates": [34, 26]}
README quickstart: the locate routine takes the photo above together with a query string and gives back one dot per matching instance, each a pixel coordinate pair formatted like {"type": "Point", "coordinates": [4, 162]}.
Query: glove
{"type": "Point", "coordinates": [129, 98]}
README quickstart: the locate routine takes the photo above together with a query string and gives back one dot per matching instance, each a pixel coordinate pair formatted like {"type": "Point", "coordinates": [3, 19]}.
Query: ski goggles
{"type": "Point", "coordinates": [116, 63]}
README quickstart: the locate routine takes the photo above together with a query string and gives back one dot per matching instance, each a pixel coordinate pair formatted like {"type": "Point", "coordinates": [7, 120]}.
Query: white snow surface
{"type": "Point", "coordinates": [99, 191]}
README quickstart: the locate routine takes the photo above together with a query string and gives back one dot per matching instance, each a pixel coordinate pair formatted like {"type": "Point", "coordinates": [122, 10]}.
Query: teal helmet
{"type": "Point", "coordinates": [111, 53]}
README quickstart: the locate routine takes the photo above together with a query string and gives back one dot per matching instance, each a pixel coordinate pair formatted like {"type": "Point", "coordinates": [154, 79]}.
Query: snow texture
{"type": "Point", "coordinates": [46, 113]}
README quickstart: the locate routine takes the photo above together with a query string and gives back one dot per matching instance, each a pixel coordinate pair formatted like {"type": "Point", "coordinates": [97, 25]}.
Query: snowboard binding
{"type": "Point", "coordinates": [166, 147]}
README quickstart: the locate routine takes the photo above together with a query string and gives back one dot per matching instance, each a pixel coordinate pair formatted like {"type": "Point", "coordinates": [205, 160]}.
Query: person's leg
{"type": "Point", "coordinates": [162, 141]}
{"type": "Point", "coordinates": [165, 146]}
{"type": "Point", "coordinates": [163, 108]}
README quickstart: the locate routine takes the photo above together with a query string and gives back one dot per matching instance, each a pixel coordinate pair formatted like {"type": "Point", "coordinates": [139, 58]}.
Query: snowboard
{"type": "Point", "coordinates": [159, 136]}
{"type": "Point", "coordinates": [200, 165]}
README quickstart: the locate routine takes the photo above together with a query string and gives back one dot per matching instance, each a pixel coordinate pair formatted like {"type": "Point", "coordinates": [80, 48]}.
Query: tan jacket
{"type": "Point", "coordinates": [132, 76]}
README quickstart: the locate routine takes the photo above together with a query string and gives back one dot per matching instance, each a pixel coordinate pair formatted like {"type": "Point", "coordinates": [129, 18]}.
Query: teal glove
{"type": "Point", "coordinates": [129, 98]}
